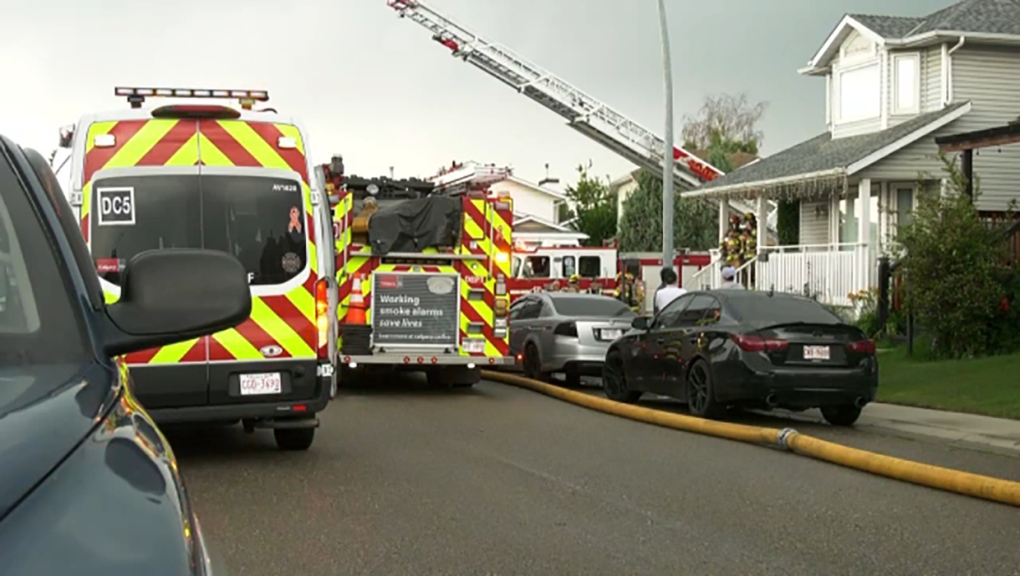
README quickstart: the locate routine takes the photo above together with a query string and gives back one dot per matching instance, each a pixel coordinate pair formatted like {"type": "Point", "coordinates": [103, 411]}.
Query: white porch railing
{"type": "Point", "coordinates": [829, 272]}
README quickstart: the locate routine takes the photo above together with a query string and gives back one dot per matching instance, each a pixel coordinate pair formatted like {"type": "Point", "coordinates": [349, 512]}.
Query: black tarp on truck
{"type": "Point", "coordinates": [412, 225]}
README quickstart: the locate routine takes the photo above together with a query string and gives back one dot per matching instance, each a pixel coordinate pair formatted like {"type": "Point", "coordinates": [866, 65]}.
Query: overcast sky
{"type": "Point", "coordinates": [375, 88]}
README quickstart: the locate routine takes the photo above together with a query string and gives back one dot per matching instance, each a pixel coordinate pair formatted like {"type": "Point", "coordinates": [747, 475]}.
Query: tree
{"type": "Point", "coordinates": [594, 207]}
{"type": "Point", "coordinates": [953, 269]}
{"type": "Point", "coordinates": [694, 220]}
{"type": "Point", "coordinates": [726, 124]}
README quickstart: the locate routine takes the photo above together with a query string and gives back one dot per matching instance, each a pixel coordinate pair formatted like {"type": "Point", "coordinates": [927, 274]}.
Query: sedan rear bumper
{"type": "Point", "coordinates": [800, 388]}
{"type": "Point", "coordinates": [586, 359]}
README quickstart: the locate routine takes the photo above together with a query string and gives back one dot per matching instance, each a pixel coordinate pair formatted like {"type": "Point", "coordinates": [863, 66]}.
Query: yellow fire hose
{"type": "Point", "coordinates": [985, 487]}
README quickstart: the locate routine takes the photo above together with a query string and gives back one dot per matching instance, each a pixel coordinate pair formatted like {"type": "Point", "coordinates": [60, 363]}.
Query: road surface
{"type": "Point", "coordinates": [497, 480]}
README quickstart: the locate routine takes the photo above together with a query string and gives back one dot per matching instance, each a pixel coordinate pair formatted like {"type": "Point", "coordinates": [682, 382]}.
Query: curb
{"type": "Point", "coordinates": [947, 479]}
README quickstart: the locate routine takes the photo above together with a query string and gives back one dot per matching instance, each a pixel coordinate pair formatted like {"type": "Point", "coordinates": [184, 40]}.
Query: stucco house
{"type": "Point", "coordinates": [893, 84]}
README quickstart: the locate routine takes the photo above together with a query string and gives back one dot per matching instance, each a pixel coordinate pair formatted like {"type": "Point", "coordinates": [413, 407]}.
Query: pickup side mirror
{"type": "Point", "coordinates": [173, 295]}
{"type": "Point", "coordinates": [641, 323]}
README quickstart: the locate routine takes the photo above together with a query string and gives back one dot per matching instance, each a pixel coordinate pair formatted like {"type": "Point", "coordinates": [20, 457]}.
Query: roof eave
{"type": "Point", "coordinates": [744, 186]}
{"type": "Point", "coordinates": [830, 46]}
{"type": "Point", "coordinates": [908, 139]}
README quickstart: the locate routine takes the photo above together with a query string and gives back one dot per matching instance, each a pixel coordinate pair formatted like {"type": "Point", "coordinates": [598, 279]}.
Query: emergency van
{"type": "Point", "coordinates": [423, 270]}
{"type": "Point", "coordinates": [239, 180]}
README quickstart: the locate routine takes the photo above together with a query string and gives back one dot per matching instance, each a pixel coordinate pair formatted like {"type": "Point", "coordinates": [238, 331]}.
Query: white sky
{"type": "Point", "coordinates": [376, 89]}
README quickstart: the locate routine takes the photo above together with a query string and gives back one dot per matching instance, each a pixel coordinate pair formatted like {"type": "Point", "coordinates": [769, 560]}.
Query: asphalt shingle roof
{"type": "Point", "coordinates": [888, 26]}
{"type": "Point", "coordinates": [823, 153]}
{"type": "Point", "coordinates": [988, 16]}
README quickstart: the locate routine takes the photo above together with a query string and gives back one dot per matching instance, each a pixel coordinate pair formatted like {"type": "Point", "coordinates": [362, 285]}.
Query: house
{"type": "Point", "coordinates": [530, 198]}
{"type": "Point", "coordinates": [531, 231]}
{"type": "Point", "coordinates": [893, 84]}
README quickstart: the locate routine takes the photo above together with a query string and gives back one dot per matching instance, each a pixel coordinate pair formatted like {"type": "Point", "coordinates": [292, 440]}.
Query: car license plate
{"type": "Point", "coordinates": [816, 352]}
{"type": "Point", "coordinates": [259, 384]}
{"type": "Point", "coordinates": [611, 333]}
{"type": "Point", "coordinates": [473, 345]}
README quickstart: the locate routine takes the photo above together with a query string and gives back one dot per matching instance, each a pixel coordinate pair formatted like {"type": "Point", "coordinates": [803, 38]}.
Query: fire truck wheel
{"type": "Point", "coordinates": [294, 439]}
{"type": "Point", "coordinates": [533, 363]}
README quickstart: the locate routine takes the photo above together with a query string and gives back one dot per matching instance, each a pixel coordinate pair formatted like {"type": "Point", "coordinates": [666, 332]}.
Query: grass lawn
{"type": "Point", "coordinates": [989, 386]}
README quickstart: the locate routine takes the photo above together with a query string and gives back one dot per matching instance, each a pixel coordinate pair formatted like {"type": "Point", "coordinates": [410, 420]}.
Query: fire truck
{"type": "Point", "coordinates": [422, 269]}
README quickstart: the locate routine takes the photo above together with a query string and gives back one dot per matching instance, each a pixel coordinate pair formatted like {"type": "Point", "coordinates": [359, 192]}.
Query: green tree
{"type": "Point", "coordinates": [726, 124]}
{"type": "Point", "coordinates": [694, 221]}
{"type": "Point", "coordinates": [594, 207]}
{"type": "Point", "coordinates": [953, 265]}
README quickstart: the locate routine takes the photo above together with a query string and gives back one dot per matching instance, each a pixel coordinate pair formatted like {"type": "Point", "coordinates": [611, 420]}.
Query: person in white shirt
{"type": "Point", "coordinates": [669, 290]}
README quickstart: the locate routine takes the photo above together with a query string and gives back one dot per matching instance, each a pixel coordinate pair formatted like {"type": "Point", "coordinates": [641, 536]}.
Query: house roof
{"type": "Point", "coordinates": [528, 184]}
{"type": "Point", "coordinates": [888, 26]}
{"type": "Point", "coordinates": [823, 156]}
{"type": "Point", "coordinates": [989, 20]}
{"type": "Point", "coordinates": [521, 218]}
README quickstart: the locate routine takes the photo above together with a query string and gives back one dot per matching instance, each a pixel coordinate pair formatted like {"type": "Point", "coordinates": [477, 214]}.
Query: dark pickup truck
{"type": "Point", "coordinates": [88, 484]}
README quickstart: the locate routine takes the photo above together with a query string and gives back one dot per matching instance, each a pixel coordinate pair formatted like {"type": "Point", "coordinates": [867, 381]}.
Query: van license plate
{"type": "Point", "coordinates": [259, 384]}
{"type": "Point", "coordinates": [816, 352]}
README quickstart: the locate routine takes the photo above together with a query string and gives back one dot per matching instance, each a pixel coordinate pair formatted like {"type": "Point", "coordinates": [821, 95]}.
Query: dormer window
{"type": "Point", "coordinates": [906, 88]}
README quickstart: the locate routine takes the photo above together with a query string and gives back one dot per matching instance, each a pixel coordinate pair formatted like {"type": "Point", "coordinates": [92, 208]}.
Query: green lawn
{"type": "Point", "coordinates": [989, 386]}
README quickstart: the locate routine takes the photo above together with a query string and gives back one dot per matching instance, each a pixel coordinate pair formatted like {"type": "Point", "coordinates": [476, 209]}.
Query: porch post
{"type": "Point", "coordinates": [763, 224]}
{"type": "Point", "coordinates": [862, 252]}
{"type": "Point", "coordinates": [724, 218]}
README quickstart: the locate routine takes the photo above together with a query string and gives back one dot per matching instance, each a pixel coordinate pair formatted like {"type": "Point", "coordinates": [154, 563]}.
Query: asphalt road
{"type": "Point", "coordinates": [498, 480]}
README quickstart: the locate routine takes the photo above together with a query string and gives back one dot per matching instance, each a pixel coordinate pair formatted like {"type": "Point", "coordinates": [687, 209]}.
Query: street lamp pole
{"type": "Point", "coordinates": [667, 152]}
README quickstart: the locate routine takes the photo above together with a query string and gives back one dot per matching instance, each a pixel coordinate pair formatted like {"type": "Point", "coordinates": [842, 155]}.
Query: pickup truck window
{"type": "Point", "coordinates": [38, 322]}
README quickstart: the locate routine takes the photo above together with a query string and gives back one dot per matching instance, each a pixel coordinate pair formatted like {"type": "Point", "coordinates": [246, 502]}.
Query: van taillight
{"type": "Point", "coordinates": [322, 318]}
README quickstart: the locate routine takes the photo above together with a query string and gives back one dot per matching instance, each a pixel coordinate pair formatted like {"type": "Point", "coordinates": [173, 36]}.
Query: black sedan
{"type": "Point", "coordinates": [726, 348]}
{"type": "Point", "coordinates": [88, 485]}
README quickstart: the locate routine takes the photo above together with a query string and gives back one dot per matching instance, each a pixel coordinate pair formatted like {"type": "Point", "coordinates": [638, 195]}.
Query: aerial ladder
{"type": "Point", "coordinates": [583, 112]}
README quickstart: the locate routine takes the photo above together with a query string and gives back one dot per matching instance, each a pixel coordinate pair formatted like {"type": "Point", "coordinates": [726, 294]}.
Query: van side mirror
{"type": "Point", "coordinates": [641, 323]}
{"type": "Point", "coordinates": [173, 295]}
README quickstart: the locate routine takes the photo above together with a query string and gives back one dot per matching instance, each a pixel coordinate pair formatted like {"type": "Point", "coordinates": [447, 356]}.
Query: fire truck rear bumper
{"type": "Point", "coordinates": [425, 360]}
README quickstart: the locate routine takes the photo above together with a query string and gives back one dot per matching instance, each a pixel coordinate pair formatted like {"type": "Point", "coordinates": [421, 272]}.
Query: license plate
{"type": "Point", "coordinates": [258, 384]}
{"type": "Point", "coordinates": [611, 333]}
{"type": "Point", "coordinates": [473, 345]}
{"type": "Point", "coordinates": [816, 352]}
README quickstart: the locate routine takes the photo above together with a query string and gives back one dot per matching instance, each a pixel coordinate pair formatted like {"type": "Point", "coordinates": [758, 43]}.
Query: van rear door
{"type": "Point", "coordinates": [257, 206]}
{"type": "Point", "coordinates": [141, 192]}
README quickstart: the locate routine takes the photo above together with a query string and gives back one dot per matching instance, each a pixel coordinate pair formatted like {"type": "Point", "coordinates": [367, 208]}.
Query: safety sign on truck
{"type": "Point", "coordinates": [410, 309]}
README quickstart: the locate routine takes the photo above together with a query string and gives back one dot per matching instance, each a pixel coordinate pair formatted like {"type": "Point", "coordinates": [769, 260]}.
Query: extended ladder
{"type": "Point", "coordinates": [583, 112]}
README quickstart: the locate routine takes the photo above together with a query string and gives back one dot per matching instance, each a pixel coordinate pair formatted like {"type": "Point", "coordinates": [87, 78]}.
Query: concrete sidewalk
{"type": "Point", "coordinates": [954, 427]}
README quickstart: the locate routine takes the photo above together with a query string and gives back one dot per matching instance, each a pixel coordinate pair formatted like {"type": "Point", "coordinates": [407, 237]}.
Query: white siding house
{"type": "Point", "coordinates": [893, 84]}
{"type": "Point", "coordinates": [530, 198]}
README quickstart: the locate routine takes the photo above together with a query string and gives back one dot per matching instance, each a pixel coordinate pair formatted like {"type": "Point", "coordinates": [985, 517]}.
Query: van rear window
{"type": "Point", "coordinates": [258, 220]}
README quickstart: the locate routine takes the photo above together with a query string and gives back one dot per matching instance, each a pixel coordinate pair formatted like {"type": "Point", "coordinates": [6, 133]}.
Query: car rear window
{"type": "Point", "coordinates": [590, 306]}
{"type": "Point", "coordinates": [258, 220]}
{"type": "Point", "coordinates": [38, 321]}
{"type": "Point", "coordinates": [761, 310]}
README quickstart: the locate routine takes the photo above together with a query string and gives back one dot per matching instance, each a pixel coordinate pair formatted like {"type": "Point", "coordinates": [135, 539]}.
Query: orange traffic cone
{"type": "Point", "coordinates": [356, 308]}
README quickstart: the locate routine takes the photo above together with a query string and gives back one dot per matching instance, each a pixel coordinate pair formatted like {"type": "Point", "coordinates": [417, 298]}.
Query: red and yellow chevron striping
{"type": "Point", "coordinates": [285, 321]}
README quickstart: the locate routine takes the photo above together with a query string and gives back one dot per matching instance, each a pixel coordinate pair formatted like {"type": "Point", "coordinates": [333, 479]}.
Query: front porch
{"type": "Point", "coordinates": [850, 195]}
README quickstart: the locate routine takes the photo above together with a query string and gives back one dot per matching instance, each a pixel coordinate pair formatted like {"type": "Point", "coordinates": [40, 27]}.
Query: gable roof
{"type": "Point", "coordinates": [521, 218]}
{"type": "Point", "coordinates": [823, 156]}
{"type": "Point", "coordinates": [989, 20]}
{"type": "Point", "coordinates": [531, 185]}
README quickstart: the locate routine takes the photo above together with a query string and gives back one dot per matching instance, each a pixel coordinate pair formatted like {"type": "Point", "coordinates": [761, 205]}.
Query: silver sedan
{"type": "Point", "coordinates": [565, 332]}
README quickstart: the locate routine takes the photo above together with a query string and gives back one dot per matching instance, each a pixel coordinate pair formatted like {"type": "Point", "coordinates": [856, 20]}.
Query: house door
{"type": "Point", "coordinates": [901, 196]}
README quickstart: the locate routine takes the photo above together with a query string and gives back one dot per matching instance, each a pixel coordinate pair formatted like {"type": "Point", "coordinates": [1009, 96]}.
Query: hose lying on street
{"type": "Point", "coordinates": [976, 485]}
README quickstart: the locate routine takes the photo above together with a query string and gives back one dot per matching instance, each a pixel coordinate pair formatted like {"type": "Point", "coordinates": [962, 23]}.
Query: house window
{"type": "Point", "coordinates": [904, 205]}
{"type": "Point", "coordinates": [849, 216]}
{"type": "Point", "coordinates": [859, 93]}
{"type": "Point", "coordinates": [906, 83]}
{"type": "Point", "coordinates": [590, 266]}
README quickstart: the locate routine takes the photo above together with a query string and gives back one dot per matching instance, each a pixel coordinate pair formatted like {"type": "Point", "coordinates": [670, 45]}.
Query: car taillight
{"type": "Point", "coordinates": [861, 347]}
{"type": "Point", "coordinates": [566, 329]}
{"type": "Point", "coordinates": [753, 343]}
{"type": "Point", "coordinates": [322, 318]}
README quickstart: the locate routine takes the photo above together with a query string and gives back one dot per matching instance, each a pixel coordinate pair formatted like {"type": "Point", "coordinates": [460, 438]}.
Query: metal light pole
{"type": "Point", "coordinates": [667, 152]}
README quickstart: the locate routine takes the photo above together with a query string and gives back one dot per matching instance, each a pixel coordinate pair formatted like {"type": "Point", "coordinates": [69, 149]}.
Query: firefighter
{"type": "Point", "coordinates": [731, 245]}
{"type": "Point", "coordinates": [629, 291]}
{"type": "Point", "coordinates": [574, 285]}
